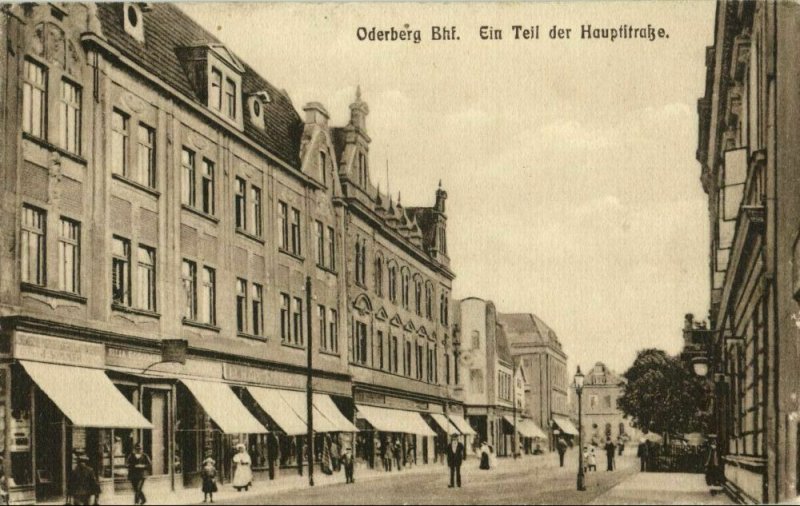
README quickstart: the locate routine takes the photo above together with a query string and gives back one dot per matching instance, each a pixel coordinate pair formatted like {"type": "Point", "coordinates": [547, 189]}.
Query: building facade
{"type": "Point", "coordinates": [601, 418]}
{"type": "Point", "coordinates": [539, 353]}
{"type": "Point", "coordinates": [748, 164]}
{"type": "Point", "coordinates": [494, 385]}
{"type": "Point", "coordinates": [156, 188]}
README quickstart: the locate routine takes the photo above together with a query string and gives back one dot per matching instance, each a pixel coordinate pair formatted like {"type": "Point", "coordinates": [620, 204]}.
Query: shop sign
{"type": "Point", "coordinates": [56, 350]}
{"type": "Point", "coordinates": [134, 359]}
{"type": "Point", "coordinates": [369, 398]}
{"type": "Point", "coordinates": [245, 374]}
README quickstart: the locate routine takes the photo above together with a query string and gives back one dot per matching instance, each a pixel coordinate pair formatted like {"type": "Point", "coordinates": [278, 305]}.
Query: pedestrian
{"type": "Point", "coordinates": [326, 464]}
{"type": "Point", "coordinates": [592, 459]}
{"type": "Point", "coordinates": [347, 462]}
{"type": "Point", "coordinates": [455, 456]}
{"type": "Point", "coordinates": [386, 454]}
{"type": "Point", "coordinates": [714, 472]}
{"type": "Point", "coordinates": [398, 454]}
{"type": "Point", "coordinates": [83, 483]}
{"type": "Point", "coordinates": [243, 472]}
{"type": "Point", "coordinates": [209, 475]}
{"type": "Point", "coordinates": [585, 459]}
{"type": "Point", "coordinates": [610, 450]}
{"type": "Point", "coordinates": [485, 456]}
{"type": "Point", "coordinates": [561, 446]}
{"type": "Point", "coordinates": [643, 452]}
{"type": "Point", "coordinates": [138, 465]}
{"type": "Point", "coordinates": [621, 444]}
{"type": "Point", "coordinates": [335, 453]}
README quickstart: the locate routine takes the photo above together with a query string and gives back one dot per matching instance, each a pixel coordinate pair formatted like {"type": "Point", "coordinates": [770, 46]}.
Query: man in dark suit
{"type": "Point", "coordinates": [455, 456]}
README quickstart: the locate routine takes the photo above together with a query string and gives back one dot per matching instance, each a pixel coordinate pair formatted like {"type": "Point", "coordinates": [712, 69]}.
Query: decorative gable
{"type": "Point", "coordinates": [396, 321]}
{"type": "Point", "coordinates": [409, 327]}
{"type": "Point", "coordinates": [381, 315]}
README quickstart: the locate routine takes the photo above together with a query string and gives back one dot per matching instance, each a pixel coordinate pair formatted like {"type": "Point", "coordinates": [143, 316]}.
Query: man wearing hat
{"type": "Point", "coordinates": [138, 464]}
{"type": "Point", "coordinates": [82, 483]}
{"type": "Point", "coordinates": [455, 456]}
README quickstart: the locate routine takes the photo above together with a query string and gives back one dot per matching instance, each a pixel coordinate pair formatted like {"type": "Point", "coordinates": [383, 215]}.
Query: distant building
{"type": "Point", "coordinates": [601, 416]}
{"type": "Point", "coordinates": [539, 353]}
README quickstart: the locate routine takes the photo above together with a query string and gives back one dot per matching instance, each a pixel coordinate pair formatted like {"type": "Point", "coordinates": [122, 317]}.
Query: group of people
{"type": "Point", "coordinates": [83, 486]}
{"type": "Point", "coordinates": [392, 452]}
{"type": "Point", "coordinates": [590, 457]}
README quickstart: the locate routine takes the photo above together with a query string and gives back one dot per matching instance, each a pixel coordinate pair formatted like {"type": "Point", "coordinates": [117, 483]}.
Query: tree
{"type": "Point", "coordinates": [662, 395]}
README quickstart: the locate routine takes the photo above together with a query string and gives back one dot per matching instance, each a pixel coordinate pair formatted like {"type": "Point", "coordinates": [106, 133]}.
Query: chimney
{"type": "Point", "coordinates": [316, 114]}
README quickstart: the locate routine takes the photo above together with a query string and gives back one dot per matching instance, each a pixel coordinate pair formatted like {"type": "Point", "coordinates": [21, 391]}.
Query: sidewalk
{"type": "Point", "coordinates": [662, 488]}
{"type": "Point", "coordinates": [265, 488]}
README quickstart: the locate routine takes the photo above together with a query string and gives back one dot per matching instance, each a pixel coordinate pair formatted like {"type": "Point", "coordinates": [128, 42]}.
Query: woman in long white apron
{"type": "Point", "coordinates": [243, 470]}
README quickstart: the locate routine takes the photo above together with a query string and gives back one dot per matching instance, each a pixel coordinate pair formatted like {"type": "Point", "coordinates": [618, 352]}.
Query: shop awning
{"type": "Point", "coordinates": [328, 408]}
{"type": "Point", "coordinates": [86, 396]}
{"type": "Point", "coordinates": [565, 425]}
{"type": "Point", "coordinates": [271, 401]}
{"type": "Point", "coordinates": [395, 420]}
{"type": "Point", "coordinates": [297, 401]}
{"type": "Point", "coordinates": [223, 407]}
{"type": "Point", "coordinates": [528, 428]}
{"type": "Point", "coordinates": [445, 424]}
{"type": "Point", "coordinates": [462, 425]}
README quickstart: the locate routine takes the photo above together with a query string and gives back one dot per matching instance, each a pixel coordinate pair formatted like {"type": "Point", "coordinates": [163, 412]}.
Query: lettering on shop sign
{"type": "Point", "coordinates": [369, 398]}
{"type": "Point", "coordinates": [244, 374]}
{"type": "Point", "coordinates": [56, 350]}
{"type": "Point", "coordinates": [123, 357]}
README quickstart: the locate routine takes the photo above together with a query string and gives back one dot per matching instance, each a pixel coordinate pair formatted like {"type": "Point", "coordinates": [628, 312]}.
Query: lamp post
{"type": "Point", "coordinates": [578, 391]}
{"type": "Point", "coordinates": [514, 406]}
{"type": "Point", "coordinates": [309, 388]}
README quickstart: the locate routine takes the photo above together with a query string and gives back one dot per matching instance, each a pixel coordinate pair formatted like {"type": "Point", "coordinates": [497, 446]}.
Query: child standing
{"type": "Point", "coordinates": [592, 460]}
{"type": "Point", "coordinates": [209, 474]}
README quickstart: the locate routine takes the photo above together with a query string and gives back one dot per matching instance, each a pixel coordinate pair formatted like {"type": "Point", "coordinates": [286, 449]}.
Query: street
{"type": "Point", "coordinates": [529, 480]}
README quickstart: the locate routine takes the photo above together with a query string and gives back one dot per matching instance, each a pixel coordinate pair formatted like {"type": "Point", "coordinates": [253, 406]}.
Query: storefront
{"type": "Point", "coordinates": [533, 440]}
{"type": "Point", "coordinates": [468, 434]}
{"type": "Point", "coordinates": [444, 430]}
{"type": "Point", "coordinates": [393, 438]}
{"type": "Point", "coordinates": [563, 426]}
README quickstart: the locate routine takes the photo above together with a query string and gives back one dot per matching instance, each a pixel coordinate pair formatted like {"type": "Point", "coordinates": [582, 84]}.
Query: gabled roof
{"type": "Point", "coordinates": [167, 29]}
{"type": "Point", "coordinates": [527, 328]}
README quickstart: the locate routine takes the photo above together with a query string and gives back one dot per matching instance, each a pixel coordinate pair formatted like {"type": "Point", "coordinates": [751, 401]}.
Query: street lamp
{"type": "Point", "coordinates": [700, 365]}
{"type": "Point", "coordinates": [579, 390]}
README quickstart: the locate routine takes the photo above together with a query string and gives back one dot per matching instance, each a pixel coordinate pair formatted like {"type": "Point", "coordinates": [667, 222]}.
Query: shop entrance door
{"type": "Point", "coordinates": [49, 445]}
{"type": "Point", "coordinates": [156, 441]}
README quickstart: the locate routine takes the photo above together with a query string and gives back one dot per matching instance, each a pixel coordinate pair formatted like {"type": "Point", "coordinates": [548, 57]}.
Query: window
{"type": "Point", "coordinates": [70, 117]}
{"type": "Point", "coordinates": [120, 271]}
{"type": "Point", "coordinates": [241, 305]}
{"type": "Point", "coordinates": [444, 315]}
{"type": "Point", "coordinates": [34, 99]}
{"type": "Point", "coordinates": [297, 321]}
{"type": "Point", "coordinates": [379, 276]}
{"type": "Point", "coordinates": [296, 249]}
{"type": "Point", "coordinates": [607, 401]}
{"type": "Point", "coordinates": [257, 312]}
{"type": "Point", "coordinates": [323, 166]}
{"type": "Point", "coordinates": [333, 330]}
{"type": "Point", "coordinates": [322, 320]}
{"type": "Point", "coordinates": [363, 267]}
{"type": "Point", "coordinates": [393, 283]}
{"type": "Point", "coordinates": [407, 358]}
{"type": "Point", "coordinates": [428, 301]}
{"type": "Point", "coordinates": [69, 256]}
{"type": "Point", "coordinates": [405, 289]}
{"type": "Point", "coordinates": [393, 355]}
{"type": "Point", "coordinates": [447, 367]}
{"type": "Point", "coordinates": [241, 204]}
{"type": "Point", "coordinates": [32, 253]}
{"type": "Point", "coordinates": [257, 224]}
{"type": "Point", "coordinates": [208, 297]}
{"type": "Point", "coordinates": [189, 279]}
{"type": "Point", "coordinates": [230, 98]}
{"type": "Point", "coordinates": [359, 261]}
{"type": "Point", "coordinates": [380, 349]}
{"type": "Point", "coordinates": [320, 243]}
{"type": "Point", "coordinates": [476, 381]}
{"type": "Point", "coordinates": [419, 360]}
{"type": "Point", "coordinates": [215, 93]}
{"type": "Point", "coordinates": [285, 323]}
{"type": "Point", "coordinates": [146, 156]}
{"type": "Point", "coordinates": [208, 187]}
{"type": "Point", "coordinates": [360, 351]}
{"type": "Point", "coordinates": [146, 279]}
{"type": "Point", "coordinates": [362, 170]}
{"type": "Point", "coordinates": [331, 249]}
{"type": "Point", "coordinates": [442, 241]}
{"type": "Point", "coordinates": [188, 195]}
{"type": "Point", "coordinates": [119, 143]}
{"type": "Point", "coordinates": [283, 212]}
{"type": "Point", "coordinates": [476, 339]}
{"type": "Point", "coordinates": [418, 297]}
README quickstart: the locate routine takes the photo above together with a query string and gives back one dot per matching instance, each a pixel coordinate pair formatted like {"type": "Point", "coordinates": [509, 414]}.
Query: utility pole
{"type": "Point", "coordinates": [309, 387]}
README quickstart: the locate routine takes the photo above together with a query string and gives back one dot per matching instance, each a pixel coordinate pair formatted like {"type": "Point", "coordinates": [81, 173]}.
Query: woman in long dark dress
{"type": "Point", "coordinates": [485, 456]}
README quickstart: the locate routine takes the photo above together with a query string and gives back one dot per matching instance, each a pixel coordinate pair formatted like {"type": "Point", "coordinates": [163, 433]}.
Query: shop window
{"type": "Point", "coordinates": [32, 249]}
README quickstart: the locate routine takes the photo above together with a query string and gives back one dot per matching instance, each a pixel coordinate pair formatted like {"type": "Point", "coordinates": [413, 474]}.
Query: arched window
{"type": "Point", "coordinates": [429, 300]}
{"type": "Point", "coordinates": [362, 169]}
{"type": "Point", "coordinates": [405, 286]}
{"type": "Point", "coordinates": [393, 282]}
{"type": "Point", "coordinates": [379, 276]}
{"type": "Point", "coordinates": [418, 295]}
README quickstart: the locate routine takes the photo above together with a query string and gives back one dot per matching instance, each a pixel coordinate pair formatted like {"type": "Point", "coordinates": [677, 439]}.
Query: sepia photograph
{"type": "Point", "coordinates": [383, 252]}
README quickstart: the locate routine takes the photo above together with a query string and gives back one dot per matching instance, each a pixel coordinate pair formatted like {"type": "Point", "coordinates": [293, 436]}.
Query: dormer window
{"type": "Point", "coordinates": [132, 21]}
{"type": "Point", "coordinates": [215, 93]}
{"type": "Point", "coordinates": [256, 102]}
{"type": "Point", "coordinates": [362, 170]}
{"type": "Point", "coordinates": [216, 75]}
{"type": "Point", "coordinates": [230, 98]}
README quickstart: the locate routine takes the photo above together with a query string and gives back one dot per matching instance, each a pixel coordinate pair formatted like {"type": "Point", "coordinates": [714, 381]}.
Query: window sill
{"type": "Point", "coordinates": [61, 151]}
{"type": "Point", "coordinates": [294, 346]}
{"type": "Point", "coordinates": [200, 325]}
{"type": "Point", "coordinates": [327, 269]}
{"type": "Point", "coordinates": [139, 186]}
{"type": "Point", "coordinates": [249, 235]}
{"type": "Point", "coordinates": [43, 290]}
{"type": "Point", "coordinates": [330, 352]}
{"type": "Point", "coordinates": [293, 255]}
{"type": "Point", "coordinates": [135, 310]}
{"type": "Point", "coordinates": [254, 337]}
{"type": "Point", "coordinates": [200, 213]}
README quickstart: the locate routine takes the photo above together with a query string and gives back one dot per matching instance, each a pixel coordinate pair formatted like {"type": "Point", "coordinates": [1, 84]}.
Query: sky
{"type": "Point", "coordinates": [573, 190]}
